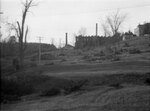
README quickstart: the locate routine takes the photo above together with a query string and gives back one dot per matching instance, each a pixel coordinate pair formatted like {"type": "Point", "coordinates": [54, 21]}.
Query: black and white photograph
{"type": "Point", "coordinates": [75, 55]}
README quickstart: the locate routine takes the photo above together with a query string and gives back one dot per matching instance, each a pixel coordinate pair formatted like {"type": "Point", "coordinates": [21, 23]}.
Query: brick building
{"type": "Point", "coordinates": [142, 30]}
{"type": "Point", "coordinates": [95, 41]}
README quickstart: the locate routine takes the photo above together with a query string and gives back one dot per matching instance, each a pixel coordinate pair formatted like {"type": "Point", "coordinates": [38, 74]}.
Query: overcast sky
{"type": "Point", "coordinates": [53, 18]}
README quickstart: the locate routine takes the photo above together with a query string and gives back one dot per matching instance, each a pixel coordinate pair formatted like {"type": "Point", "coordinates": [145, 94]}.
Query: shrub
{"type": "Point", "coordinates": [116, 85]}
{"type": "Point", "coordinates": [51, 91]}
{"type": "Point", "coordinates": [117, 51]}
{"type": "Point", "coordinates": [147, 81]}
{"type": "Point", "coordinates": [75, 86]}
{"type": "Point", "coordinates": [86, 57]}
{"type": "Point", "coordinates": [123, 50]}
{"type": "Point", "coordinates": [47, 57]}
{"type": "Point", "coordinates": [63, 60]}
{"type": "Point", "coordinates": [116, 58]}
{"type": "Point", "coordinates": [8, 98]}
{"type": "Point", "coordinates": [50, 63]}
{"type": "Point", "coordinates": [134, 51]}
{"type": "Point", "coordinates": [13, 89]}
{"type": "Point", "coordinates": [22, 84]}
{"type": "Point", "coordinates": [109, 56]}
{"type": "Point", "coordinates": [126, 44]}
{"type": "Point", "coordinates": [101, 53]}
{"type": "Point", "coordinates": [33, 64]}
{"type": "Point", "coordinates": [34, 57]}
{"type": "Point", "coordinates": [61, 54]}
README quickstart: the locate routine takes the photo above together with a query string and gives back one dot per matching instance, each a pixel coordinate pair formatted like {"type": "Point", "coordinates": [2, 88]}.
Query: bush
{"type": "Point", "coordinates": [134, 51]}
{"type": "Point", "coordinates": [34, 57]}
{"type": "Point", "coordinates": [116, 85]}
{"type": "Point", "coordinates": [126, 44]}
{"type": "Point", "coordinates": [116, 51]}
{"type": "Point", "coordinates": [61, 54]}
{"type": "Point", "coordinates": [22, 84]}
{"type": "Point", "coordinates": [75, 86]}
{"type": "Point", "coordinates": [63, 60]}
{"type": "Point", "coordinates": [123, 50]}
{"type": "Point", "coordinates": [12, 89]}
{"type": "Point", "coordinates": [47, 57]}
{"type": "Point", "coordinates": [50, 63]}
{"type": "Point", "coordinates": [8, 98]}
{"type": "Point", "coordinates": [86, 57]}
{"type": "Point", "coordinates": [51, 91]}
{"type": "Point", "coordinates": [101, 53]}
{"type": "Point", "coordinates": [116, 58]}
{"type": "Point", "coordinates": [32, 64]}
{"type": "Point", "coordinates": [147, 81]}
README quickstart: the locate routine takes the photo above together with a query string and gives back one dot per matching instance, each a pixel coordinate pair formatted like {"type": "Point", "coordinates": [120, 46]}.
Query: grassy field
{"type": "Point", "coordinates": [90, 80]}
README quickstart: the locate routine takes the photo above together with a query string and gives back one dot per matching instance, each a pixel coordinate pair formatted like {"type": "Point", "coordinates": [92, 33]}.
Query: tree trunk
{"type": "Point", "coordinates": [21, 54]}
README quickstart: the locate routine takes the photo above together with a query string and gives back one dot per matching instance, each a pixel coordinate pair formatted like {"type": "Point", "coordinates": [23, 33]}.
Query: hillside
{"type": "Point", "coordinates": [110, 78]}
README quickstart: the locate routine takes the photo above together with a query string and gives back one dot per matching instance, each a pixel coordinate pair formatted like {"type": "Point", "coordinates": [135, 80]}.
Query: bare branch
{"type": "Point", "coordinates": [106, 31]}
{"type": "Point", "coordinates": [22, 35]}
{"type": "Point", "coordinates": [19, 29]}
{"type": "Point", "coordinates": [12, 27]}
{"type": "Point", "coordinates": [25, 39]}
{"type": "Point", "coordinates": [115, 21]}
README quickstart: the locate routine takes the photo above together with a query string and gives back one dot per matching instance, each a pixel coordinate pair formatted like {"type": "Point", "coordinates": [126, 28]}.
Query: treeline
{"type": "Point", "coordinates": [10, 49]}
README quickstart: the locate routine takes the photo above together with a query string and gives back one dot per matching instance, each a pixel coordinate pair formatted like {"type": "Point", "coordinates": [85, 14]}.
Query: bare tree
{"type": "Point", "coordinates": [11, 27]}
{"type": "Point", "coordinates": [21, 31]}
{"type": "Point", "coordinates": [106, 30]}
{"type": "Point", "coordinates": [82, 31]}
{"type": "Point", "coordinates": [12, 46]}
{"type": "Point", "coordinates": [114, 21]}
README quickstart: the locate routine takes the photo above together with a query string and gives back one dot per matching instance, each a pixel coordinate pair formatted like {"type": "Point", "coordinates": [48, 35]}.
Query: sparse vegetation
{"type": "Point", "coordinates": [116, 58]}
{"type": "Point", "coordinates": [134, 51]}
{"type": "Point", "coordinates": [126, 44]}
{"type": "Point", "coordinates": [47, 57]}
{"type": "Point", "coordinates": [98, 73]}
{"type": "Point", "coordinates": [147, 81]}
{"type": "Point", "coordinates": [13, 87]}
{"type": "Point", "coordinates": [101, 53]}
{"type": "Point", "coordinates": [117, 85]}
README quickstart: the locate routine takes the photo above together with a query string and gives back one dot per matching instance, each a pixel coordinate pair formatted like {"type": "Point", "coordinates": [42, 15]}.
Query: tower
{"type": "Point", "coordinates": [96, 29]}
{"type": "Point", "coordinates": [66, 39]}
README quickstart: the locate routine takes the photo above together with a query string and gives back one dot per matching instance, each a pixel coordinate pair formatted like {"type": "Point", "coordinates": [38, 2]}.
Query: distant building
{"type": "Point", "coordinates": [142, 30]}
{"type": "Point", "coordinates": [136, 31]}
{"type": "Point", "coordinates": [128, 35]}
{"type": "Point", "coordinates": [95, 41]}
{"type": "Point", "coordinates": [67, 46]}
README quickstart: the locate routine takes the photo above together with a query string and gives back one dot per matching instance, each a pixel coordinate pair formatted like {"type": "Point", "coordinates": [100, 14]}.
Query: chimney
{"type": "Point", "coordinates": [96, 29]}
{"type": "Point", "coordinates": [66, 39]}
